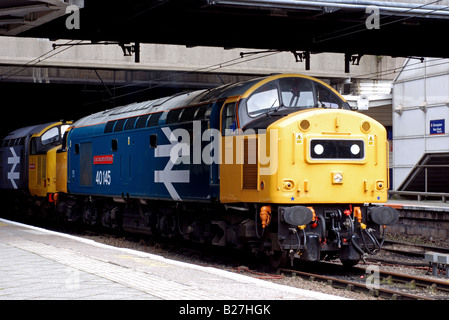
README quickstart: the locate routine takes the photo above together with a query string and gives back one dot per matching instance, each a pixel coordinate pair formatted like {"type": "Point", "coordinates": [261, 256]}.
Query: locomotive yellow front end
{"type": "Point", "coordinates": [329, 156]}
{"type": "Point", "coordinates": [312, 168]}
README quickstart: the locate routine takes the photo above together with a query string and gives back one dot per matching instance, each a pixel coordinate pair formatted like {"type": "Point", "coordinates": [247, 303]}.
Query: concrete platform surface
{"type": "Point", "coordinates": [38, 264]}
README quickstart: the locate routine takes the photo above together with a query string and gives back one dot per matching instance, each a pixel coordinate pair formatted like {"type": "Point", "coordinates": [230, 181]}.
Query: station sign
{"type": "Point", "coordinates": [437, 126]}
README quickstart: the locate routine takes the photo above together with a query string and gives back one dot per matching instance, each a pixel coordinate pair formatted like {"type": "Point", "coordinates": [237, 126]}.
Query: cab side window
{"type": "Point", "coordinates": [229, 119]}
{"type": "Point", "coordinates": [326, 98]}
{"type": "Point", "coordinates": [52, 135]}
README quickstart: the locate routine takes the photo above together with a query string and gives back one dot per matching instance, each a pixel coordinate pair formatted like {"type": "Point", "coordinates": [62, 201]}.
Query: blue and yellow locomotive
{"type": "Point", "coordinates": [278, 165]}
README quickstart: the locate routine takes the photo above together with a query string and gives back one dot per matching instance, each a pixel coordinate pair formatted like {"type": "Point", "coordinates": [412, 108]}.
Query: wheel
{"type": "Point", "coordinates": [279, 259]}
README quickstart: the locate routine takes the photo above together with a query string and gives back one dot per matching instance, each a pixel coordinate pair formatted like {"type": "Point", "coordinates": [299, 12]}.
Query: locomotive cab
{"type": "Point", "coordinates": [285, 95]}
{"type": "Point", "coordinates": [25, 162]}
{"type": "Point", "coordinates": [48, 163]}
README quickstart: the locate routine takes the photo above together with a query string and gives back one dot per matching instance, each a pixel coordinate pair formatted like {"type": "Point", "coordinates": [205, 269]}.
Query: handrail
{"type": "Point", "coordinates": [420, 194]}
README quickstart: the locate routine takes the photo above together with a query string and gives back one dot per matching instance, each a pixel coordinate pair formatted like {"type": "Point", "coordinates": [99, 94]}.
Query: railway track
{"type": "Point", "coordinates": [375, 282]}
{"type": "Point", "coordinates": [411, 249]}
{"type": "Point", "coordinates": [390, 285]}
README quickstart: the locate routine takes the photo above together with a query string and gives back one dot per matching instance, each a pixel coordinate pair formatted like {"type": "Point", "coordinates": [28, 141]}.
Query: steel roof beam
{"type": "Point", "coordinates": [24, 10]}
{"type": "Point", "coordinates": [394, 8]}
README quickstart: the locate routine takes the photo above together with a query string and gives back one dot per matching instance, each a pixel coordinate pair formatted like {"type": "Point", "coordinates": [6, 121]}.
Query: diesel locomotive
{"type": "Point", "coordinates": [278, 165]}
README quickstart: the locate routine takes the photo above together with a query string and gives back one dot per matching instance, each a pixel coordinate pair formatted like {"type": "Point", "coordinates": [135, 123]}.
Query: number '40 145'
{"type": "Point", "coordinates": [103, 178]}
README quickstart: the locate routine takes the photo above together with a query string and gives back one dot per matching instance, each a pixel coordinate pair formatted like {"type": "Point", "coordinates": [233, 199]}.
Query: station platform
{"type": "Point", "coordinates": [425, 219]}
{"type": "Point", "coordinates": [418, 205]}
{"type": "Point", "coordinates": [38, 264]}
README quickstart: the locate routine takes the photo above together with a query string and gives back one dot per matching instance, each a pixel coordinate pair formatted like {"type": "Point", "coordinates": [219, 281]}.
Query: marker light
{"type": "Point", "coordinates": [366, 126]}
{"type": "Point", "coordinates": [304, 125]}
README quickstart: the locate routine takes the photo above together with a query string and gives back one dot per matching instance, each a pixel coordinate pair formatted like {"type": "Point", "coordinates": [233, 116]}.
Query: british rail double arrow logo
{"type": "Point", "coordinates": [12, 175]}
{"type": "Point", "coordinates": [169, 176]}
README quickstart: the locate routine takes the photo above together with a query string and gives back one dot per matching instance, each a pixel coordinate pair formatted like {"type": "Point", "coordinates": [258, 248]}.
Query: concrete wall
{"type": "Point", "coordinates": [20, 51]}
{"type": "Point", "coordinates": [413, 221]}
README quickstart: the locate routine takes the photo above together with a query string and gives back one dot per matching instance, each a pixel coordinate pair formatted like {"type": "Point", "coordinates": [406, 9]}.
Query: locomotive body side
{"type": "Point", "coordinates": [133, 157]}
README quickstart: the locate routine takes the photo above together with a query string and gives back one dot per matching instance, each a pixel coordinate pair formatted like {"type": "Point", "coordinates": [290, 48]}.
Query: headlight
{"type": "Point", "coordinates": [337, 149]}
{"type": "Point", "coordinates": [355, 149]}
{"type": "Point", "coordinates": [318, 149]}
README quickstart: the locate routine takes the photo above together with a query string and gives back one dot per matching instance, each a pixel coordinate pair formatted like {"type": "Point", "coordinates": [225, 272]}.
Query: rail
{"type": "Point", "coordinates": [339, 283]}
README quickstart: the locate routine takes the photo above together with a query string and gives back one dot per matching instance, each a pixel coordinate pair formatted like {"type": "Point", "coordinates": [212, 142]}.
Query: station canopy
{"type": "Point", "coordinates": [353, 27]}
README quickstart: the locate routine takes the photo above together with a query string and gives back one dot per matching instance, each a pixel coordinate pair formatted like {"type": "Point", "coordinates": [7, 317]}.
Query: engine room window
{"type": "Point", "coordinates": [142, 121]}
{"type": "Point", "coordinates": [263, 99]}
{"type": "Point", "coordinates": [154, 119]}
{"type": "Point", "coordinates": [52, 135]}
{"type": "Point", "coordinates": [86, 164]}
{"type": "Point", "coordinates": [119, 125]}
{"type": "Point", "coordinates": [130, 123]}
{"type": "Point", "coordinates": [201, 113]}
{"type": "Point", "coordinates": [188, 114]}
{"type": "Point", "coordinates": [109, 126]}
{"type": "Point", "coordinates": [173, 116]}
